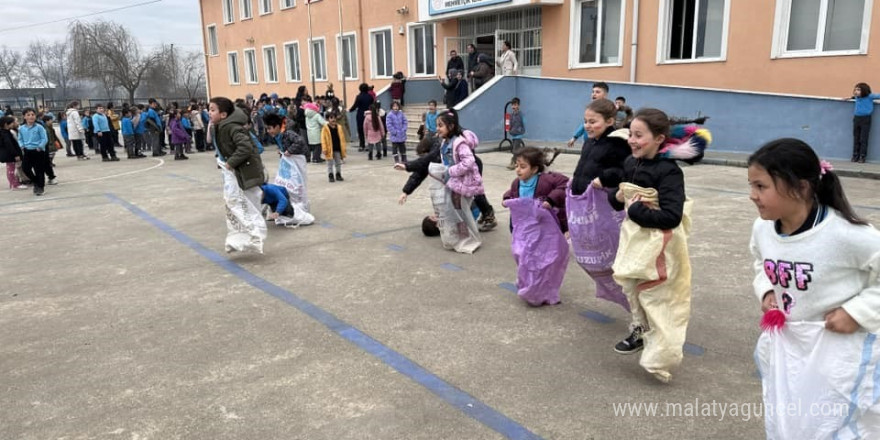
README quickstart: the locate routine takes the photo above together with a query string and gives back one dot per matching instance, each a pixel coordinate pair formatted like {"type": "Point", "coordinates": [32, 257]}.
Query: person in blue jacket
{"type": "Point", "coordinates": [32, 138]}
{"type": "Point", "coordinates": [862, 120]}
{"type": "Point", "coordinates": [282, 210]}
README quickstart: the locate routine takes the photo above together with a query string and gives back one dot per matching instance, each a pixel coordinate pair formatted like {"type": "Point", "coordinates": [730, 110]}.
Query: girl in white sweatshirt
{"type": "Point", "coordinates": [818, 263]}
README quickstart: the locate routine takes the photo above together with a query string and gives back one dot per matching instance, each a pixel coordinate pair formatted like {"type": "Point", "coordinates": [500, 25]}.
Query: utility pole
{"type": "Point", "coordinates": [341, 36]}
{"type": "Point", "coordinates": [312, 57]}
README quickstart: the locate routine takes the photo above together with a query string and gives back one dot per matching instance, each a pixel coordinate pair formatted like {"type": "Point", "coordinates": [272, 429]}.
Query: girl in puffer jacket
{"type": "Point", "coordinates": [457, 153]}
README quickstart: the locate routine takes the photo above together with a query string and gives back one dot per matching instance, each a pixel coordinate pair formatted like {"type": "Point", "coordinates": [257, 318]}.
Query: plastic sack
{"type": "Point", "coordinates": [818, 384]}
{"type": "Point", "coordinates": [654, 269]}
{"type": "Point", "coordinates": [594, 228]}
{"type": "Point", "coordinates": [540, 251]}
{"type": "Point", "coordinates": [244, 222]}
{"type": "Point", "coordinates": [292, 176]}
{"type": "Point", "coordinates": [458, 228]}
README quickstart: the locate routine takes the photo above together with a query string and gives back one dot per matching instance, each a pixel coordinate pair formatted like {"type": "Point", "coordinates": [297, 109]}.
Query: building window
{"type": "Point", "coordinates": [291, 57]}
{"type": "Point", "coordinates": [318, 59]}
{"type": "Point", "coordinates": [250, 65]}
{"type": "Point", "coordinates": [232, 60]}
{"type": "Point", "coordinates": [287, 4]}
{"type": "Point", "coordinates": [212, 40]}
{"type": "Point", "coordinates": [270, 64]}
{"type": "Point", "coordinates": [265, 7]}
{"type": "Point", "coordinates": [822, 27]}
{"type": "Point", "coordinates": [421, 42]}
{"type": "Point", "coordinates": [597, 32]}
{"type": "Point", "coordinates": [228, 13]}
{"type": "Point", "coordinates": [693, 30]}
{"type": "Point", "coordinates": [246, 11]}
{"type": "Point", "coordinates": [346, 45]}
{"type": "Point", "coordinates": [383, 53]}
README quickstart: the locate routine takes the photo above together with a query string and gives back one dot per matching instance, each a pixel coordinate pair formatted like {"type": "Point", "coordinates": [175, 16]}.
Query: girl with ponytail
{"type": "Point", "coordinates": [817, 270]}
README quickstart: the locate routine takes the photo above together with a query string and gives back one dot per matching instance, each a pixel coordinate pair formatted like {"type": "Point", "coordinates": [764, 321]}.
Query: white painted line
{"type": "Point", "coordinates": [161, 162]}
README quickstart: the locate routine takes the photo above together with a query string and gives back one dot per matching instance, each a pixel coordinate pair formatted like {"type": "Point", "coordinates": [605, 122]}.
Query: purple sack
{"type": "Point", "coordinates": [594, 228]}
{"type": "Point", "coordinates": [540, 251]}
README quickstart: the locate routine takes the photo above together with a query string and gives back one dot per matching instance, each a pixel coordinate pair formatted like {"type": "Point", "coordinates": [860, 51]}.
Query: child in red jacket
{"type": "Point", "coordinates": [532, 182]}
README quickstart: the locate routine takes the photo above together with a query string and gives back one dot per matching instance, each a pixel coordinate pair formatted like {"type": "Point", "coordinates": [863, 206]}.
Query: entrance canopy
{"type": "Point", "coordinates": [439, 10]}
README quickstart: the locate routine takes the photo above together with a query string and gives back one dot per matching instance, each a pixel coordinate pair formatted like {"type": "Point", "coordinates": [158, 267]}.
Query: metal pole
{"type": "Point", "coordinates": [344, 88]}
{"type": "Point", "coordinates": [311, 47]}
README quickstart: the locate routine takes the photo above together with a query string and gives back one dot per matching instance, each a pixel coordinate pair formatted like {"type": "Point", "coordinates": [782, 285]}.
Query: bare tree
{"type": "Point", "coordinates": [12, 69]}
{"type": "Point", "coordinates": [191, 78]}
{"type": "Point", "coordinates": [107, 49]}
{"type": "Point", "coordinates": [39, 59]}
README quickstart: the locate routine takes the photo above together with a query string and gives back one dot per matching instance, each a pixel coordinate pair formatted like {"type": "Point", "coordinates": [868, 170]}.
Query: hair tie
{"type": "Point", "coordinates": [824, 167]}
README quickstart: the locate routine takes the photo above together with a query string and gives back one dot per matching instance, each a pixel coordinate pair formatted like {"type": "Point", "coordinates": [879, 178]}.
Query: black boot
{"type": "Point", "coordinates": [331, 178]}
{"type": "Point", "coordinates": [339, 177]}
{"type": "Point", "coordinates": [370, 157]}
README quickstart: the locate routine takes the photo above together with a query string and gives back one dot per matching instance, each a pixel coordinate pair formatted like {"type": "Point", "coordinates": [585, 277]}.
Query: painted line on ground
{"type": "Point", "coordinates": [455, 397]}
{"type": "Point", "coordinates": [43, 199]}
{"type": "Point", "coordinates": [693, 349]}
{"type": "Point", "coordinates": [593, 315]}
{"type": "Point", "coordinates": [128, 173]}
{"type": "Point", "coordinates": [396, 248]}
{"type": "Point", "coordinates": [358, 235]}
{"type": "Point", "coordinates": [327, 225]}
{"type": "Point", "coordinates": [57, 208]}
{"type": "Point", "coordinates": [186, 178]}
{"type": "Point", "coordinates": [451, 267]}
{"type": "Point", "coordinates": [509, 287]}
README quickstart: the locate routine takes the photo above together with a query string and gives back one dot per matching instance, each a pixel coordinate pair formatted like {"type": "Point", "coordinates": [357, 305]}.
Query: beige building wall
{"type": "Point", "coordinates": [280, 26]}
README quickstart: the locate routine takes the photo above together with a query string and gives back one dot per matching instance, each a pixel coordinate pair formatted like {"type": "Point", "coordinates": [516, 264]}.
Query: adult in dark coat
{"type": "Point", "coordinates": [362, 104]}
{"type": "Point", "coordinates": [455, 62]}
{"type": "Point", "coordinates": [473, 59]}
{"type": "Point", "coordinates": [456, 89]}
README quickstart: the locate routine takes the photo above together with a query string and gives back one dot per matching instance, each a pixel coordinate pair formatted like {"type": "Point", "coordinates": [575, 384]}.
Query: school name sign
{"type": "Point", "coordinates": [437, 7]}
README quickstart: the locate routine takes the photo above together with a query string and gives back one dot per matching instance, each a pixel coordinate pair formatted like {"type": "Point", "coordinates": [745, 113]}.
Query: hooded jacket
{"type": "Point", "coordinates": [314, 123]}
{"type": "Point", "coordinates": [550, 188]}
{"type": "Point", "coordinates": [235, 145]}
{"type": "Point", "coordinates": [397, 123]}
{"type": "Point", "coordinates": [464, 176]}
{"type": "Point", "coordinates": [75, 129]}
{"type": "Point", "coordinates": [373, 135]}
{"type": "Point", "coordinates": [666, 177]}
{"type": "Point", "coordinates": [9, 148]}
{"type": "Point", "coordinates": [602, 157]}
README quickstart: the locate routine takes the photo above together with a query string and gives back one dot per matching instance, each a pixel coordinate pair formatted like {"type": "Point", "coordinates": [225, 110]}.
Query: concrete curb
{"type": "Point", "coordinates": [710, 159]}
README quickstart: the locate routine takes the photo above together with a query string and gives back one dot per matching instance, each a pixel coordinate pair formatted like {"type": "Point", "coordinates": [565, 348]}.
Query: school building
{"type": "Point", "coordinates": [757, 55]}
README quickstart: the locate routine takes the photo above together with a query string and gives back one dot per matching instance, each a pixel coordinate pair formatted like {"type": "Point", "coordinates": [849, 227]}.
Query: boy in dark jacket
{"type": "Point", "coordinates": [236, 148]}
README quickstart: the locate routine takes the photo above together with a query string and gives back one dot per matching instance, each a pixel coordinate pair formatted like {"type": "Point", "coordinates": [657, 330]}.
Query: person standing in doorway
{"type": "Point", "coordinates": [507, 61]}
{"type": "Point", "coordinates": [455, 62]}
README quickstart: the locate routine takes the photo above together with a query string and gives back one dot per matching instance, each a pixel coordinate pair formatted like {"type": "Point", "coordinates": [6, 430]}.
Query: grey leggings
{"type": "Point", "coordinates": [337, 160]}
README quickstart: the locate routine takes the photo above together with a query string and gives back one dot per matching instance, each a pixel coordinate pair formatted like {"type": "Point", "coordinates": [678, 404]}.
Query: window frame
{"type": "Point", "coordinates": [339, 55]}
{"type": "Point", "coordinates": [281, 4]}
{"type": "Point", "coordinates": [664, 35]}
{"type": "Point", "coordinates": [373, 51]}
{"type": "Point", "coordinates": [288, 77]}
{"type": "Point", "coordinates": [574, 42]}
{"type": "Point", "coordinates": [256, 78]}
{"type": "Point", "coordinates": [312, 59]}
{"type": "Point", "coordinates": [241, 9]}
{"type": "Point", "coordinates": [228, 11]}
{"type": "Point", "coordinates": [265, 3]}
{"type": "Point", "coordinates": [235, 65]}
{"type": "Point", "coordinates": [410, 56]}
{"type": "Point", "coordinates": [213, 44]}
{"type": "Point", "coordinates": [782, 21]}
{"type": "Point", "coordinates": [266, 63]}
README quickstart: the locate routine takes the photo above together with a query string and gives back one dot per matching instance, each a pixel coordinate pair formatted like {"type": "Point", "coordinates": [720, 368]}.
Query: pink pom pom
{"type": "Point", "coordinates": [773, 320]}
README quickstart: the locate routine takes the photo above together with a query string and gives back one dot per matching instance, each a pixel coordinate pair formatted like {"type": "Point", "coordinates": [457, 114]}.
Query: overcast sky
{"type": "Point", "coordinates": [152, 22]}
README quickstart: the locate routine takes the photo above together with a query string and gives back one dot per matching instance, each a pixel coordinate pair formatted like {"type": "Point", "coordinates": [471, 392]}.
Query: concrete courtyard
{"type": "Point", "coordinates": [122, 318]}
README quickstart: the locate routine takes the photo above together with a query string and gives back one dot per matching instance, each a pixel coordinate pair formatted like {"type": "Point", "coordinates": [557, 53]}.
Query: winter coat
{"type": "Point", "coordinates": [362, 104]}
{"type": "Point", "coordinates": [235, 145]}
{"type": "Point", "coordinates": [374, 136]}
{"type": "Point", "coordinates": [602, 157]}
{"type": "Point", "coordinates": [178, 132]}
{"type": "Point", "coordinates": [75, 129]}
{"type": "Point", "coordinates": [456, 91]}
{"type": "Point", "coordinates": [550, 188]}
{"type": "Point", "coordinates": [666, 177]}
{"type": "Point", "coordinates": [314, 123]}
{"type": "Point", "coordinates": [507, 63]}
{"type": "Point", "coordinates": [327, 141]}
{"type": "Point", "coordinates": [397, 124]}
{"type": "Point", "coordinates": [291, 142]}
{"type": "Point", "coordinates": [473, 60]}
{"type": "Point", "coordinates": [397, 89]}
{"type": "Point", "coordinates": [455, 63]}
{"type": "Point", "coordinates": [196, 120]}
{"type": "Point", "coordinates": [9, 148]}
{"type": "Point", "coordinates": [464, 176]}
{"type": "Point", "coordinates": [483, 72]}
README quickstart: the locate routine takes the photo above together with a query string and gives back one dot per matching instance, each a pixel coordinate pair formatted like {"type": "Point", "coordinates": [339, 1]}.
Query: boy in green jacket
{"type": "Point", "coordinates": [235, 147]}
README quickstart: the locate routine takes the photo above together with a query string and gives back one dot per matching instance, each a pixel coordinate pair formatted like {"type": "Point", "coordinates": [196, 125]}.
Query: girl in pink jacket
{"type": "Point", "coordinates": [374, 131]}
{"type": "Point", "coordinates": [457, 153]}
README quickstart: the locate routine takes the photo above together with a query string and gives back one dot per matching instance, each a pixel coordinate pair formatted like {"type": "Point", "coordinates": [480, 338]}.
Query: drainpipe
{"type": "Point", "coordinates": [635, 42]}
{"type": "Point", "coordinates": [205, 45]}
{"type": "Point", "coordinates": [361, 40]}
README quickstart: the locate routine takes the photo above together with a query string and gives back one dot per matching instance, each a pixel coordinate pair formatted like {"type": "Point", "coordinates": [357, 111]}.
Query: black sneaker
{"type": "Point", "coordinates": [632, 344]}
{"type": "Point", "coordinates": [489, 223]}
{"type": "Point", "coordinates": [339, 177]}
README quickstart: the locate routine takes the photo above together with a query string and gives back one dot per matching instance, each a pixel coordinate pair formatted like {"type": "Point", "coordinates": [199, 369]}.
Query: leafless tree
{"type": "Point", "coordinates": [12, 69]}
{"type": "Point", "coordinates": [191, 77]}
{"type": "Point", "coordinates": [50, 65]}
{"type": "Point", "coordinates": [107, 50]}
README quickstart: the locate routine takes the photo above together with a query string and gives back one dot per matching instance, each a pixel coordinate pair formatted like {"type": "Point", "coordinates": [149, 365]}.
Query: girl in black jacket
{"type": "Point", "coordinates": [604, 151]}
{"type": "Point", "coordinates": [10, 152]}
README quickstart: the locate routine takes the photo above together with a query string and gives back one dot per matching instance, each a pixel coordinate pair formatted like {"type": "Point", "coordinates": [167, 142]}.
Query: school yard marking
{"type": "Point", "coordinates": [451, 267]}
{"type": "Point", "coordinates": [396, 248]}
{"type": "Point", "coordinates": [509, 287]}
{"type": "Point", "coordinates": [596, 316]}
{"type": "Point", "coordinates": [128, 173]}
{"type": "Point", "coordinates": [455, 397]}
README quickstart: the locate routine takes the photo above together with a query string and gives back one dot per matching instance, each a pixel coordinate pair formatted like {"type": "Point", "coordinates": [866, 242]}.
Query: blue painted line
{"type": "Point", "coordinates": [459, 399]}
{"type": "Point", "coordinates": [187, 178]}
{"type": "Point", "coordinates": [326, 225]}
{"type": "Point", "coordinates": [359, 235]}
{"type": "Point", "coordinates": [57, 208]}
{"type": "Point", "coordinates": [396, 248]}
{"type": "Point", "coordinates": [509, 286]}
{"type": "Point", "coordinates": [693, 349]}
{"type": "Point", "coordinates": [596, 316]}
{"type": "Point", "coordinates": [451, 267]}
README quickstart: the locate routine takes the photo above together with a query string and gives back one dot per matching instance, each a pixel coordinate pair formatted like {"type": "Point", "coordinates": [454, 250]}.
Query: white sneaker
{"type": "Point", "coordinates": [20, 187]}
{"type": "Point", "coordinates": [53, 181]}
{"type": "Point", "coordinates": [301, 217]}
